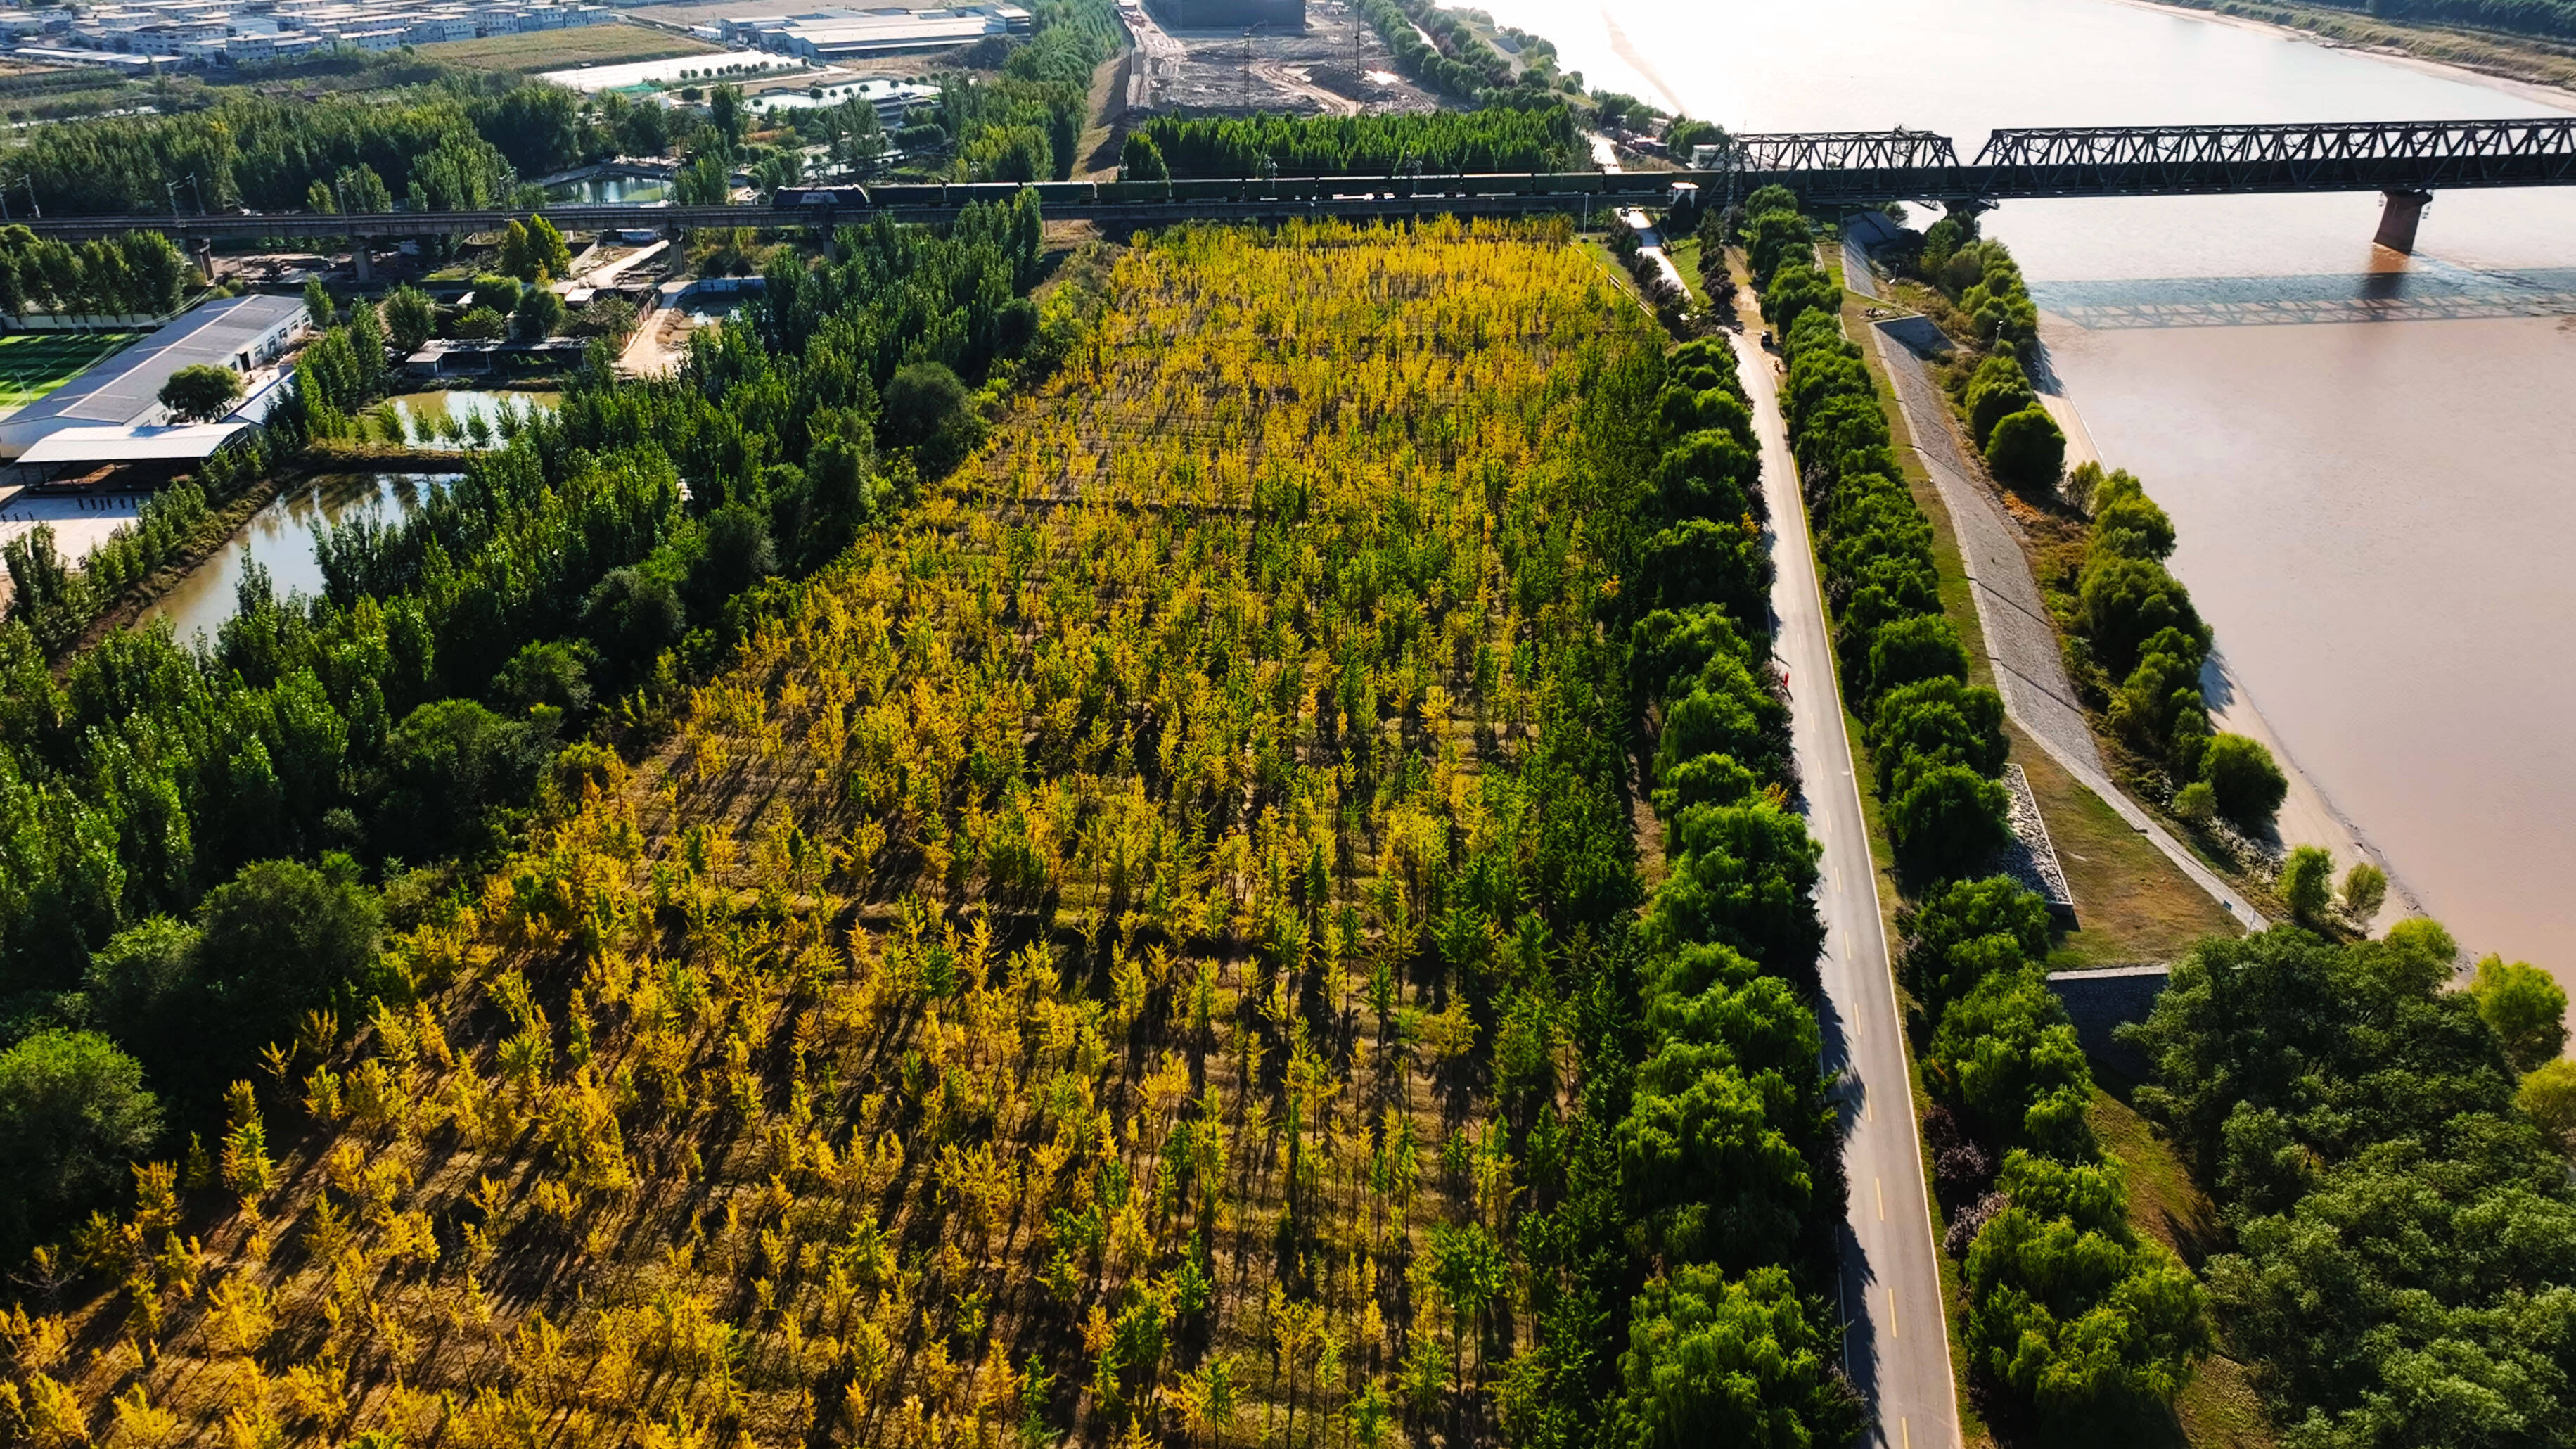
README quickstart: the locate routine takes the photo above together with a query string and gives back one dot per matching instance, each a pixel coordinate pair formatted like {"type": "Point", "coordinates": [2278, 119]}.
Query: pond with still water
{"type": "Point", "coordinates": [463, 406]}
{"type": "Point", "coordinates": [281, 539]}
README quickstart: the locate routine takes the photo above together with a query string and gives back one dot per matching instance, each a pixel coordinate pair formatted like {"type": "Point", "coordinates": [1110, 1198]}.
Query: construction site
{"type": "Point", "coordinates": [1227, 57]}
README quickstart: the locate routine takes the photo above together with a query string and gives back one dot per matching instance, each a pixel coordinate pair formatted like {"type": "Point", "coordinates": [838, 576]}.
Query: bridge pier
{"type": "Point", "coordinates": [362, 265]}
{"type": "Point", "coordinates": [2398, 218]}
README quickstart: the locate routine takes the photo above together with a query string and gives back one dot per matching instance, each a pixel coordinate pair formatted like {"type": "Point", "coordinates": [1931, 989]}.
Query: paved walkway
{"type": "Point", "coordinates": [1650, 244]}
{"type": "Point", "coordinates": [2021, 638]}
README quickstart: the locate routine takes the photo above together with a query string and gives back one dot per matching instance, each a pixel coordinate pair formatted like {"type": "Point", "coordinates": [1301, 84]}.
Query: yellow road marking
{"type": "Point", "coordinates": [1880, 1186]}
{"type": "Point", "coordinates": [1891, 1314]}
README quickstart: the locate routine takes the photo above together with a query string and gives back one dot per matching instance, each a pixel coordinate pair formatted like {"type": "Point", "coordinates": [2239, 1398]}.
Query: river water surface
{"type": "Point", "coordinates": [2364, 453]}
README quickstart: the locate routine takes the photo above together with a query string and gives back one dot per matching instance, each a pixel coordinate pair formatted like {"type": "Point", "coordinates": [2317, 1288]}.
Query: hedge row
{"type": "Point", "coordinates": [1729, 1154]}
{"type": "Point", "coordinates": [2070, 1316]}
{"type": "Point", "coordinates": [1497, 138]}
{"type": "Point", "coordinates": [1936, 741]}
{"type": "Point", "coordinates": [2134, 623]}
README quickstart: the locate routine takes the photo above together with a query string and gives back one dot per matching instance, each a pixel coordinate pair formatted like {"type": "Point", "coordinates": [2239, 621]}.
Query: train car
{"type": "Point", "coordinates": [820, 198]}
{"type": "Point", "coordinates": [1568, 183]}
{"type": "Point", "coordinates": [910, 194]}
{"type": "Point", "coordinates": [1502, 183]}
{"type": "Point", "coordinates": [959, 193]}
{"type": "Point", "coordinates": [1210, 188]}
{"type": "Point", "coordinates": [1066, 193]}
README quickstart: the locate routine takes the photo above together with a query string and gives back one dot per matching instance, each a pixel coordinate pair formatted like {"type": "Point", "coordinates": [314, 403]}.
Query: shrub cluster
{"type": "Point", "coordinates": [1983, 281]}
{"type": "Point", "coordinates": [2071, 1318]}
{"type": "Point", "coordinates": [2024, 448]}
{"type": "Point", "coordinates": [2134, 623]}
{"type": "Point", "coordinates": [1935, 740]}
{"type": "Point", "coordinates": [1729, 1158]}
{"type": "Point", "coordinates": [2404, 1268]}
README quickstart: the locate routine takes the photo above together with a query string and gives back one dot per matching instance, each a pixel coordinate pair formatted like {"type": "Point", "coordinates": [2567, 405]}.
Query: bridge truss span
{"type": "Point", "coordinates": [2351, 156]}
{"type": "Point", "coordinates": [1839, 150]}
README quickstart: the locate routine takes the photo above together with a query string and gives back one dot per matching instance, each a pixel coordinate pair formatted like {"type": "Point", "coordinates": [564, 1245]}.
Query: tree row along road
{"type": "Point", "coordinates": [1896, 1345]}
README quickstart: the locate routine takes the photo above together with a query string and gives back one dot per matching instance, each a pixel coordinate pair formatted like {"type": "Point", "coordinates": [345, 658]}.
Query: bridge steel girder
{"type": "Point", "coordinates": [1837, 168]}
{"type": "Point", "coordinates": [1838, 150]}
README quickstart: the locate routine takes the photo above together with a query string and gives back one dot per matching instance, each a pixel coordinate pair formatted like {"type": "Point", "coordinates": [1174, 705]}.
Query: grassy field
{"type": "Point", "coordinates": [561, 49]}
{"type": "Point", "coordinates": [1042, 990]}
{"type": "Point", "coordinates": [33, 364]}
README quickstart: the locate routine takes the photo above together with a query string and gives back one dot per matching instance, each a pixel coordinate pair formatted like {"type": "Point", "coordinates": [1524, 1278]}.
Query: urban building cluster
{"type": "Point", "coordinates": [153, 33]}
{"type": "Point", "coordinates": [844, 34]}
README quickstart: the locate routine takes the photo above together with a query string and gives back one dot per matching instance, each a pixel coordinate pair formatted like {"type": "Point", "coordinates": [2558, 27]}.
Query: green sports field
{"type": "Point", "coordinates": [33, 364]}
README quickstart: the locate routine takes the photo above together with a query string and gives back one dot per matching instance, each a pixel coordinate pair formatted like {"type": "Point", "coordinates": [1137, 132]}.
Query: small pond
{"type": "Point", "coordinates": [462, 407]}
{"type": "Point", "coordinates": [610, 191]}
{"type": "Point", "coordinates": [281, 538]}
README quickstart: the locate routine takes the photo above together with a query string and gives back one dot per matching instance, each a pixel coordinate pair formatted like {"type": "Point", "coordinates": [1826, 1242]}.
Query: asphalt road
{"type": "Point", "coordinates": [1896, 1346]}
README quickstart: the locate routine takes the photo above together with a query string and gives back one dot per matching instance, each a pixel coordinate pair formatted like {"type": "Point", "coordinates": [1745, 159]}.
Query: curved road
{"type": "Point", "coordinates": [1896, 1342]}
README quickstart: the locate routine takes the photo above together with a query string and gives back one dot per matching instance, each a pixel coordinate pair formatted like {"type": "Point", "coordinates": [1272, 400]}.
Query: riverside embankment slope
{"type": "Point", "coordinates": [2307, 816]}
{"type": "Point", "coordinates": [2021, 639]}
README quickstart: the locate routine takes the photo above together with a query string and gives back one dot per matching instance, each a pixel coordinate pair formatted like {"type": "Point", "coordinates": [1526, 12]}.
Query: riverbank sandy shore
{"type": "Point", "coordinates": [2558, 93]}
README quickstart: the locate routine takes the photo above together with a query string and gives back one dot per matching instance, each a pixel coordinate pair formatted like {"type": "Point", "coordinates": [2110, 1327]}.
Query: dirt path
{"type": "Point", "coordinates": [1280, 76]}
{"type": "Point", "coordinates": [658, 344]}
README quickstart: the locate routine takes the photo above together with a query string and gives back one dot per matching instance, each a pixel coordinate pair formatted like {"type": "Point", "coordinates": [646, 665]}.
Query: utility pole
{"type": "Point", "coordinates": [30, 179]}
{"type": "Point", "coordinates": [172, 187]}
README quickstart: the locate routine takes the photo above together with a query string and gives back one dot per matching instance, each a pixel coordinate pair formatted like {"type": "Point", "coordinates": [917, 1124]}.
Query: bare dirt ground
{"type": "Point", "coordinates": [1339, 66]}
{"type": "Point", "coordinates": [658, 345]}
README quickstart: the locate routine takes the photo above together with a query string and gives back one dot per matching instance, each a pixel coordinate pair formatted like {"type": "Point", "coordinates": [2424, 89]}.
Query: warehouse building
{"type": "Point", "coordinates": [838, 34]}
{"type": "Point", "coordinates": [113, 410]}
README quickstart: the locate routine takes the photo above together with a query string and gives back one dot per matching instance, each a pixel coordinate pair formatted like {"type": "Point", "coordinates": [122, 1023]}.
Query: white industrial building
{"type": "Point", "coordinates": [835, 34]}
{"type": "Point", "coordinates": [120, 398]}
{"type": "Point", "coordinates": [264, 31]}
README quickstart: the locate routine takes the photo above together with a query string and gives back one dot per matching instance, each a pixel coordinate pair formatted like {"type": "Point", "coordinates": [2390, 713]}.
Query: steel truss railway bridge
{"type": "Point", "coordinates": [2406, 160]}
